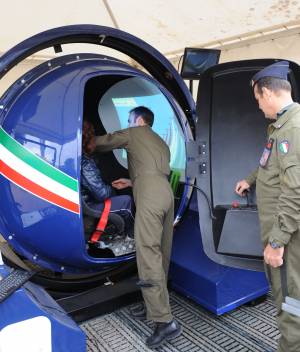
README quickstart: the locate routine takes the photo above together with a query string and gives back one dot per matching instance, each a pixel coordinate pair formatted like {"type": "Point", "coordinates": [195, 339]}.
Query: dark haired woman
{"type": "Point", "coordinates": [94, 190]}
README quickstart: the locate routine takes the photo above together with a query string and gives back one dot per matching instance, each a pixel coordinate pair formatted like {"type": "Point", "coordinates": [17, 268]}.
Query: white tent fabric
{"type": "Point", "coordinates": [243, 29]}
{"type": "Point", "coordinates": [168, 25]}
{"type": "Point", "coordinates": [287, 47]}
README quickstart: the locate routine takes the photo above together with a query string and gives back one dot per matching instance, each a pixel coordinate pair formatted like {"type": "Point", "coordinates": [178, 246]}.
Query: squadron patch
{"type": "Point", "coordinates": [266, 153]}
{"type": "Point", "coordinates": [284, 147]}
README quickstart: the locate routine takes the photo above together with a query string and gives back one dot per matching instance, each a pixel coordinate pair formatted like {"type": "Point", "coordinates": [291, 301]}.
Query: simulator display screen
{"type": "Point", "coordinates": [114, 109]}
{"type": "Point", "coordinates": [196, 61]}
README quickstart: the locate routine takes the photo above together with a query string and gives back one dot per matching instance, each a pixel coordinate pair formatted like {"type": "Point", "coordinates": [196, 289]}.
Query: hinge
{"type": "Point", "coordinates": [197, 156]}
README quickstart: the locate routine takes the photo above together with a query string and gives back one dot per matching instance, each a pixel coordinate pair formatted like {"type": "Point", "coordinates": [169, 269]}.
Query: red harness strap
{"type": "Point", "coordinates": [102, 222]}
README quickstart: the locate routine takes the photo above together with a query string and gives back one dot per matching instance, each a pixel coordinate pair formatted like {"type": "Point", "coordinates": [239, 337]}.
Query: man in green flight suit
{"type": "Point", "coordinates": [278, 194]}
{"type": "Point", "coordinates": [148, 165]}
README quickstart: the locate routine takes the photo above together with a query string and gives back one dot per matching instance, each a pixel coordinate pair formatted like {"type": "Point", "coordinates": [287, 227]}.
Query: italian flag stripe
{"type": "Point", "coordinates": [36, 189]}
{"type": "Point", "coordinates": [35, 162]}
{"type": "Point", "coordinates": [284, 147]}
{"type": "Point", "coordinates": [37, 177]}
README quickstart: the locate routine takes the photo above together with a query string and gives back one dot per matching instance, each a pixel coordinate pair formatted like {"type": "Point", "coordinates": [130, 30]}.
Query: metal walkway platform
{"type": "Point", "coordinates": [246, 329]}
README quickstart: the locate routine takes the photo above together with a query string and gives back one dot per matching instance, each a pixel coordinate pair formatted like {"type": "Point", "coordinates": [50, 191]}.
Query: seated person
{"type": "Point", "coordinates": [94, 190]}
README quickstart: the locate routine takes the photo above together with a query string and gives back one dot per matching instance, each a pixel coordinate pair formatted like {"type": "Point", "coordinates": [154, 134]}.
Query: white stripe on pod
{"type": "Point", "coordinates": [37, 177]}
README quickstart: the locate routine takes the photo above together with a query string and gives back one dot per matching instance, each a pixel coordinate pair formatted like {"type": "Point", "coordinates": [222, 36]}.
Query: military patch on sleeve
{"type": "Point", "coordinates": [266, 153]}
{"type": "Point", "coordinates": [284, 147]}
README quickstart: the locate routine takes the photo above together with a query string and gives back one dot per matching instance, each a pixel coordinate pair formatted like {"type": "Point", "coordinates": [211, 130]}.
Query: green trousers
{"type": "Point", "coordinates": [289, 324]}
{"type": "Point", "coordinates": [153, 231]}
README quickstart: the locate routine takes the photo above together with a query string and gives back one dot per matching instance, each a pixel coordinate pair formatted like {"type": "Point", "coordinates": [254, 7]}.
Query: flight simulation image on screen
{"type": "Point", "coordinates": [114, 111]}
{"type": "Point", "coordinates": [164, 124]}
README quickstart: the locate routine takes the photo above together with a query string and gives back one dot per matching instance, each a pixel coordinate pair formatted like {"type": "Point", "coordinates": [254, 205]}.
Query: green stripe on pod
{"type": "Point", "coordinates": [35, 162]}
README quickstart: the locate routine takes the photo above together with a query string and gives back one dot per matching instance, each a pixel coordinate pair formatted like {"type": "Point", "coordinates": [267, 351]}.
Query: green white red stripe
{"type": "Point", "coordinates": [284, 147]}
{"type": "Point", "coordinates": [36, 176]}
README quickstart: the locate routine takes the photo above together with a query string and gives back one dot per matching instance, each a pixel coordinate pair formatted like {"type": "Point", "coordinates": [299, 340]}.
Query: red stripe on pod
{"type": "Point", "coordinates": [37, 190]}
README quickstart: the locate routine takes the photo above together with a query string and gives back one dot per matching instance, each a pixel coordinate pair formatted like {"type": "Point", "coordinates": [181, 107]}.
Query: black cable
{"type": "Point", "coordinates": [179, 62]}
{"type": "Point", "coordinates": [206, 197]}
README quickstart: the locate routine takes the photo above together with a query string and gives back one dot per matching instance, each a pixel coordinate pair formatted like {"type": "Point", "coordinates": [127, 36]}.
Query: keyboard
{"type": "Point", "coordinates": [14, 280]}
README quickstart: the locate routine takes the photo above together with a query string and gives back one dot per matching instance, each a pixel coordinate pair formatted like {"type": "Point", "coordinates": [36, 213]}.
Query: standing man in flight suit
{"type": "Point", "coordinates": [278, 194]}
{"type": "Point", "coordinates": [148, 166]}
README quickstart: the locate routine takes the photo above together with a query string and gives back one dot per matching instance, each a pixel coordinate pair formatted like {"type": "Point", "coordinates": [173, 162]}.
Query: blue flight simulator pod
{"type": "Point", "coordinates": [42, 216]}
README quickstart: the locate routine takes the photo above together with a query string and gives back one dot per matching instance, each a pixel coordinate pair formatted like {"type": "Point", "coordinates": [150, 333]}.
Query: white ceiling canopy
{"type": "Point", "coordinates": [169, 26]}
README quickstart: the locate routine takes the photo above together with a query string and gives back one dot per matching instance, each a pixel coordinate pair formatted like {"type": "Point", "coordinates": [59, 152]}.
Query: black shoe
{"type": "Point", "coordinates": [163, 332]}
{"type": "Point", "coordinates": [138, 312]}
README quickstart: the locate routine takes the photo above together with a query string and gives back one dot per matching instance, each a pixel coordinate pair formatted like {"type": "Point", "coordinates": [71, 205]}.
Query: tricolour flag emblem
{"type": "Point", "coordinates": [284, 147]}
{"type": "Point", "coordinates": [36, 176]}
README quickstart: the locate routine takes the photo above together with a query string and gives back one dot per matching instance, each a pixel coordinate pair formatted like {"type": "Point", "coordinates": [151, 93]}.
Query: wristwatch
{"type": "Point", "coordinates": [275, 244]}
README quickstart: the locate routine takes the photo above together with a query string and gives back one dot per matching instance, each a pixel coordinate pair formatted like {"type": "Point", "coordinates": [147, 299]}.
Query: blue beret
{"type": "Point", "coordinates": [278, 70]}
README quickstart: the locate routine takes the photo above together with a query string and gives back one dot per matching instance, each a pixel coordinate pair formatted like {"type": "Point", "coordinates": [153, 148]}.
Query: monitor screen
{"type": "Point", "coordinates": [196, 61]}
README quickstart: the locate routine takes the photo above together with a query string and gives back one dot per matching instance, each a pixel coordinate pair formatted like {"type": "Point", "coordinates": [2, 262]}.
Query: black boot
{"type": "Point", "coordinates": [163, 332]}
{"type": "Point", "coordinates": [138, 312]}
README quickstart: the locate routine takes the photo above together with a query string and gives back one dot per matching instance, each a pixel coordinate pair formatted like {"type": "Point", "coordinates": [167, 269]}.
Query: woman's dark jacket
{"type": "Point", "coordinates": [93, 188]}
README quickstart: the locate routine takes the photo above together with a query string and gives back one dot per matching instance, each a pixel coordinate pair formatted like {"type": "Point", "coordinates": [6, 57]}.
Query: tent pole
{"type": "Point", "coordinates": [191, 86]}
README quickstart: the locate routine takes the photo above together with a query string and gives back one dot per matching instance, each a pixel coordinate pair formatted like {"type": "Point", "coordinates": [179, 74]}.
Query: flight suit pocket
{"type": "Point", "coordinates": [287, 161]}
{"type": "Point", "coordinates": [289, 172]}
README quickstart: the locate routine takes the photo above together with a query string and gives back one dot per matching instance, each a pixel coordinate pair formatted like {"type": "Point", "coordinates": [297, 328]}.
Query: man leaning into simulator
{"type": "Point", "coordinates": [278, 193]}
{"type": "Point", "coordinates": [148, 165]}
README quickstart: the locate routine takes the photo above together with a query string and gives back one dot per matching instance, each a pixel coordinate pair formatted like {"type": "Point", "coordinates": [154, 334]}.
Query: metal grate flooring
{"type": "Point", "coordinates": [246, 329]}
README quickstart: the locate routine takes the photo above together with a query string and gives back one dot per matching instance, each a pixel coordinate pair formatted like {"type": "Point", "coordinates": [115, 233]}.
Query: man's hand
{"type": "Point", "coordinates": [121, 183]}
{"type": "Point", "coordinates": [241, 187]}
{"type": "Point", "coordinates": [273, 257]}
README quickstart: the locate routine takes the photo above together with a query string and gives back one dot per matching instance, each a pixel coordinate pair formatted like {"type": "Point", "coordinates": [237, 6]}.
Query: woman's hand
{"type": "Point", "coordinates": [121, 183]}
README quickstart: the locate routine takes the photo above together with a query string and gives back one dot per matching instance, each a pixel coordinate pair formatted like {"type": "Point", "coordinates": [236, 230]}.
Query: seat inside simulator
{"type": "Point", "coordinates": [231, 135]}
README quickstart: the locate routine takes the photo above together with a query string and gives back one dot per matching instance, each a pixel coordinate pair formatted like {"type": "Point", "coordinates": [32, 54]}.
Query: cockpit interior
{"type": "Point", "coordinates": [107, 102]}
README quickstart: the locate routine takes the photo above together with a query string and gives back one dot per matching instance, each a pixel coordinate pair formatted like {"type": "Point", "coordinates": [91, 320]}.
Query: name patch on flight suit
{"type": "Point", "coordinates": [266, 153]}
